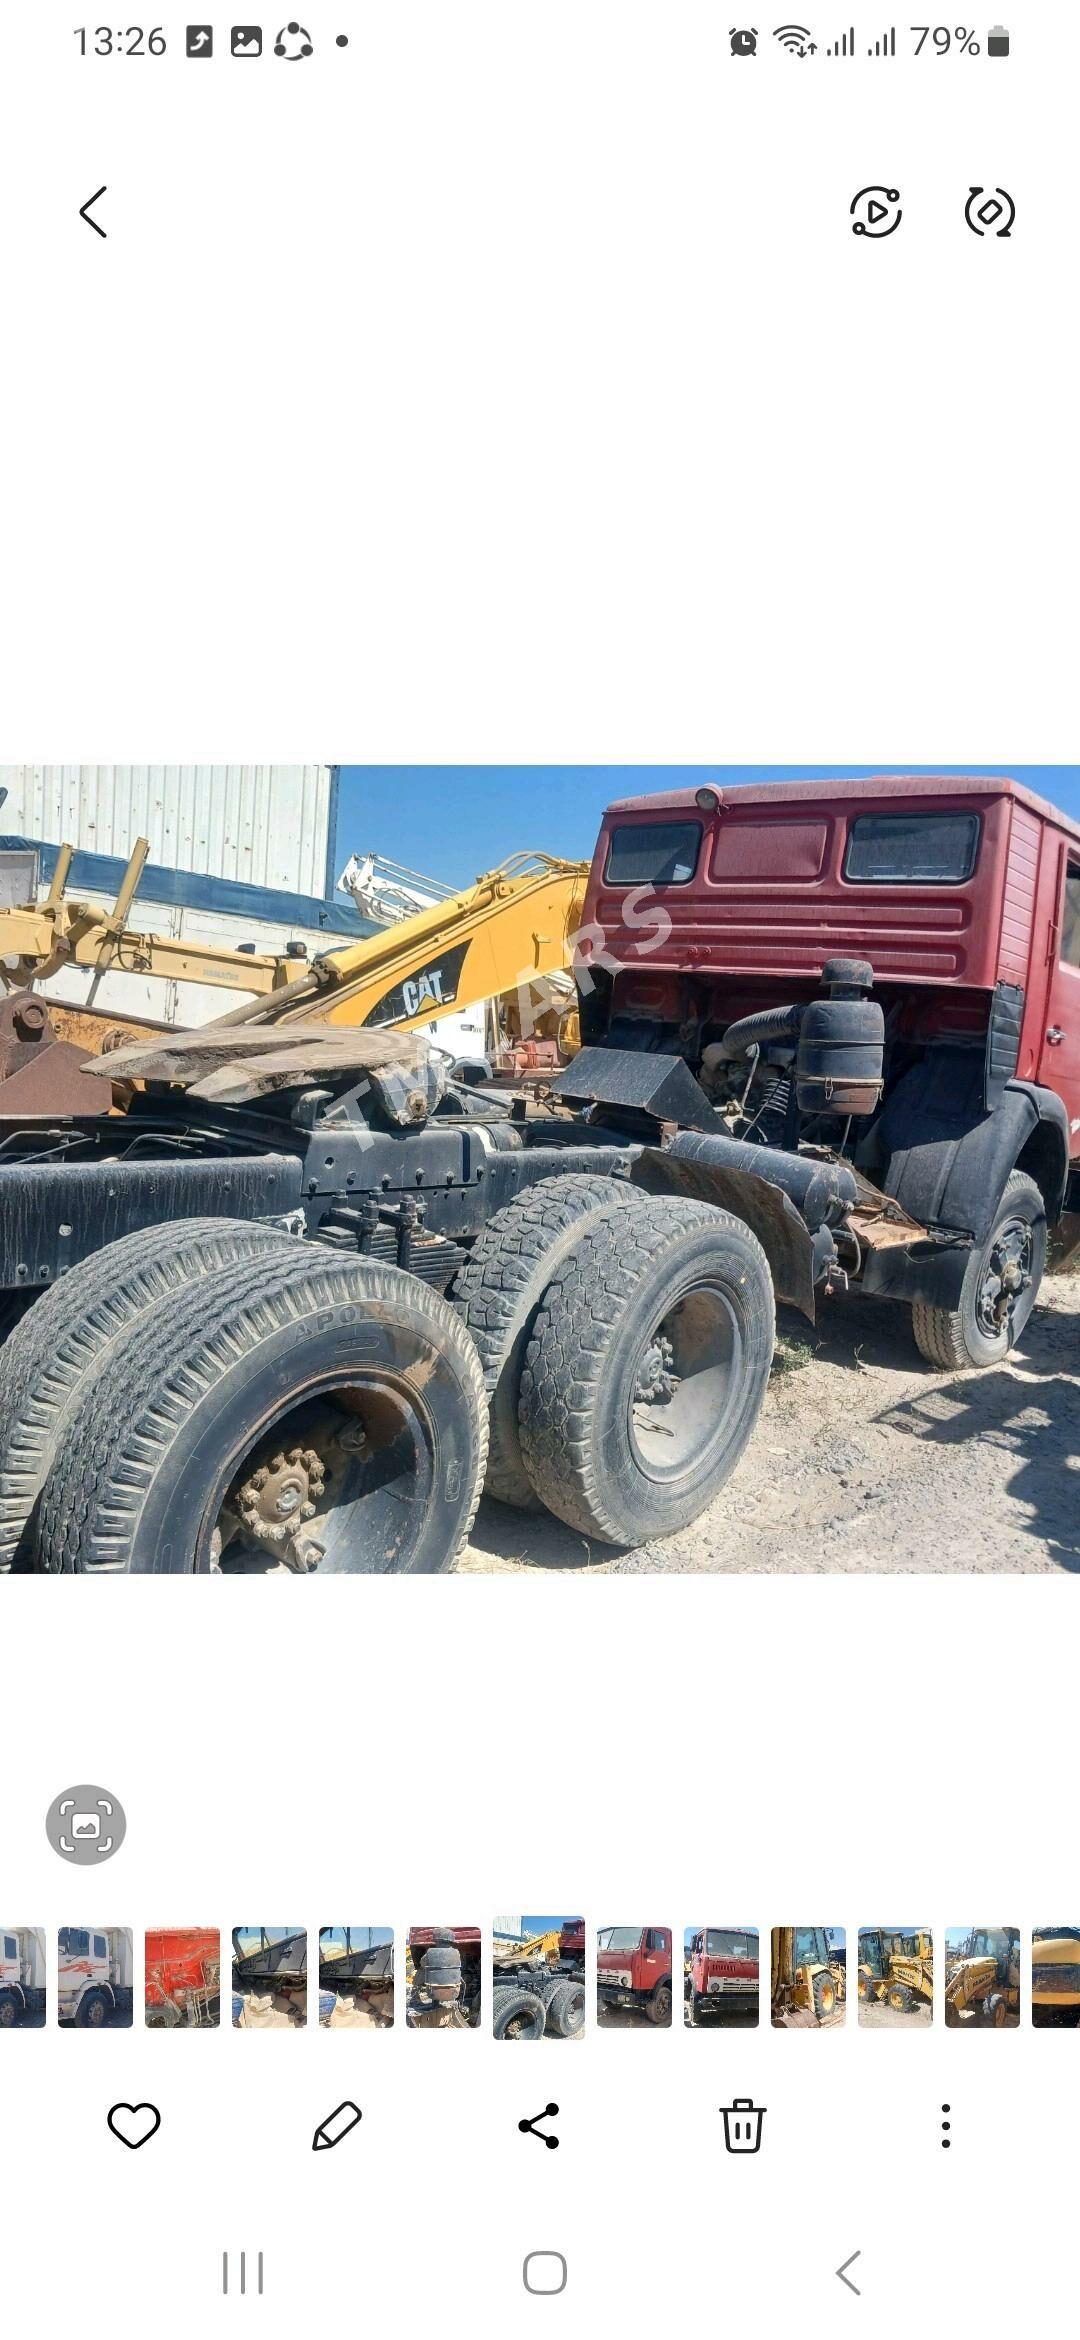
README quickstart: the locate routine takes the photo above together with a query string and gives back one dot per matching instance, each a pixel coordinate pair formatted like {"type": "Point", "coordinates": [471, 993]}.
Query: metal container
{"type": "Point", "coordinates": [268, 825]}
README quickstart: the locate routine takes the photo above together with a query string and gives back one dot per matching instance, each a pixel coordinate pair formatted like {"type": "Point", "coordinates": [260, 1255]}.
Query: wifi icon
{"type": "Point", "coordinates": [795, 38]}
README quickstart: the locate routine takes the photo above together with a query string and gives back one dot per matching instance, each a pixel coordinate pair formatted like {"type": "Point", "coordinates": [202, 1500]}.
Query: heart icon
{"type": "Point", "coordinates": [134, 2124]}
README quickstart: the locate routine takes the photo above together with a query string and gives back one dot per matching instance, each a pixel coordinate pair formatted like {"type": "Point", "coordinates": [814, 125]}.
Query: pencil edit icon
{"type": "Point", "coordinates": [336, 2126]}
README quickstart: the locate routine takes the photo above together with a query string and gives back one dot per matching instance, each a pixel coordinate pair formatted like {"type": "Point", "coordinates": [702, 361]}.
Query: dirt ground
{"type": "Point", "coordinates": [866, 1459]}
{"type": "Point", "coordinates": [967, 2019]}
{"type": "Point", "coordinates": [877, 2015]}
{"type": "Point", "coordinates": [801, 2019]}
{"type": "Point", "coordinates": [625, 2019]}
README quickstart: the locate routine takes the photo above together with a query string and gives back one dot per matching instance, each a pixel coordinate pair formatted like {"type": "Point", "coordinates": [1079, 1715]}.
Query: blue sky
{"type": "Point", "coordinates": [545, 1925]}
{"type": "Point", "coordinates": [248, 1937]}
{"type": "Point", "coordinates": [452, 821]}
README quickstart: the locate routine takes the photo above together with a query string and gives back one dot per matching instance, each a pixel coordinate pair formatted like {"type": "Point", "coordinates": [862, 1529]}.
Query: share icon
{"type": "Point", "coordinates": [529, 2128]}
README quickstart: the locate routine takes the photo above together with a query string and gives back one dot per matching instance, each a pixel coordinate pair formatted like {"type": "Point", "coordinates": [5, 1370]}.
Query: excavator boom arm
{"type": "Point", "coordinates": [513, 927]}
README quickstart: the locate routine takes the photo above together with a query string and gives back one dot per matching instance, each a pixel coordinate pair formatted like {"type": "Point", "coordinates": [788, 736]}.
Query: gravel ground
{"type": "Point", "coordinates": [866, 1459]}
{"type": "Point", "coordinates": [877, 2015]}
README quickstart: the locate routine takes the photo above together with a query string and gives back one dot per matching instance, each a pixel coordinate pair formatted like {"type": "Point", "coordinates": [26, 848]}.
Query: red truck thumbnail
{"type": "Point", "coordinates": [722, 1977]}
{"type": "Point", "coordinates": [633, 1970]}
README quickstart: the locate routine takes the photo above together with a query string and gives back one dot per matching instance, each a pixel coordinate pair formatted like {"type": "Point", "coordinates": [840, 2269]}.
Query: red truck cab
{"type": "Point", "coordinates": [724, 1970]}
{"type": "Point", "coordinates": [633, 1969]}
{"type": "Point", "coordinates": [572, 1943]}
{"type": "Point", "coordinates": [873, 980]}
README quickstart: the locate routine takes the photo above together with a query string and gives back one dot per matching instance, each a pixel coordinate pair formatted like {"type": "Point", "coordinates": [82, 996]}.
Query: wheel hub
{"type": "Point", "coordinates": [1007, 1276]}
{"type": "Point", "coordinates": [656, 1380]}
{"type": "Point", "coordinates": [274, 1503]}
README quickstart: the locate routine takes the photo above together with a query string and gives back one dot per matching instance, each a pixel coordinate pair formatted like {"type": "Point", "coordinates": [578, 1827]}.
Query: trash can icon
{"type": "Point", "coordinates": [742, 2125]}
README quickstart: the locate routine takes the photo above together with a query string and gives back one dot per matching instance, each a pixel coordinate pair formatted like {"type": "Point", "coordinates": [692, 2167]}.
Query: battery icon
{"type": "Point", "coordinates": [998, 42]}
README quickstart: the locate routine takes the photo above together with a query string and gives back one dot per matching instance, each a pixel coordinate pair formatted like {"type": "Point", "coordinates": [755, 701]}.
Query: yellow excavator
{"type": "Point", "coordinates": [982, 1978]}
{"type": "Point", "coordinates": [501, 939]}
{"type": "Point", "coordinates": [537, 1950]}
{"type": "Point", "coordinates": [809, 1974]}
{"type": "Point", "coordinates": [896, 1968]}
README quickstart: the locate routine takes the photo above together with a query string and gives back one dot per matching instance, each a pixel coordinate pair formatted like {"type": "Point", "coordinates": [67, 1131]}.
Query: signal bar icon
{"type": "Point", "coordinates": [886, 46]}
{"type": "Point", "coordinates": [844, 45]}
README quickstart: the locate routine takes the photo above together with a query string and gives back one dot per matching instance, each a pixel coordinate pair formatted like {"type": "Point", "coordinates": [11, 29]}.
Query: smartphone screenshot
{"type": "Point", "coordinates": [539, 1167]}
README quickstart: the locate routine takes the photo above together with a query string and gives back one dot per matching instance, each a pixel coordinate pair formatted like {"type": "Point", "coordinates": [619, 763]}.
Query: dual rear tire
{"type": "Point", "coordinates": [208, 1392]}
{"type": "Point", "coordinates": [627, 1341]}
{"type": "Point", "coordinates": [223, 1389]}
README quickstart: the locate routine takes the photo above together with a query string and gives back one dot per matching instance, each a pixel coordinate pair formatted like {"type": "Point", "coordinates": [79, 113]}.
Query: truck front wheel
{"type": "Point", "coordinates": [566, 2010]}
{"type": "Point", "coordinates": [999, 1290]}
{"type": "Point", "coordinates": [93, 2012]}
{"type": "Point", "coordinates": [647, 1369]}
{"type": "Point", "coordinates": [659, 2007]}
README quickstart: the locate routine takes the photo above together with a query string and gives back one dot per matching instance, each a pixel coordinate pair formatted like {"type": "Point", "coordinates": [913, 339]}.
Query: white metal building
{"type": "Point", "coordinates": [269, 825]}
{"type": "Point", "coordinates": [240, 854]}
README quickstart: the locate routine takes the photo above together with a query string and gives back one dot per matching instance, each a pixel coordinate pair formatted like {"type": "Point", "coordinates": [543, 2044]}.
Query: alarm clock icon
{"type": "Point", "coordinates": [744, 41]}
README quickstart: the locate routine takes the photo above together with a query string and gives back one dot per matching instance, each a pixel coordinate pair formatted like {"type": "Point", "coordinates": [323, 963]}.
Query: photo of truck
{"type": "Point", "coordinates": [182, 1978]}
{"type": "Point", "coordinates": [443, 1978]}
{"type": "Point", "coordinates": [538, 1978]}
{"type": "Point", "coordinates": [721, 1970]}
{"type": "Point", "coordinates": [825, 1041]}
{"type": "Point", "coordinates": [269, 1978]}
{"type": "Point", "coordinates": [22, 1978]}
{"type": "Point", "coordinates": [94, 1989]}
{"type": "Point", "coordinates": [356, 1978]}
{"type": "Point", "coordinates": [633, 1977]}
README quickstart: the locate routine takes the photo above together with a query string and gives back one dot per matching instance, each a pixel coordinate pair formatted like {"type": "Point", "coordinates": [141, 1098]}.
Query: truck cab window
{"type": "Point", "coordinates": [653, 853]}
{"type": "Point", "coordinates": [10, 1946]}
{"type": "Point", "coordinates": [99, 1946]}
{"type": "Point", "coordinates": [1070, 917]}
{"type": "Point", "coordinates": [912, 849]}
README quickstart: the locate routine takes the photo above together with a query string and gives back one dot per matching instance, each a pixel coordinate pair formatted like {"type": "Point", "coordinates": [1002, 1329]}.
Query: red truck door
{"type": "Point", "coordinates": [1059, 1061]}
{"type": "Point", "coordinates": [655, 1957]}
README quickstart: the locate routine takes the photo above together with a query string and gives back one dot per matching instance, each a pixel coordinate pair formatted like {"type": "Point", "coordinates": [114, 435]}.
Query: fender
{"type": "Point", "coordinates": [949, 1158]}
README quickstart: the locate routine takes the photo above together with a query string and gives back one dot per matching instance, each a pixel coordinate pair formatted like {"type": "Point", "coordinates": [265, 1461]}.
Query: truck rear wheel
{"type": "Point", "coordinates": [566, 2010]}
{"type": "Point", "coordinates": [499, 1290]}
{"type": "Point", "coordinates": [999, 1290]}
{"type": "Point", "coordinates": [309, 1411]}
{"type": "Point", "coordinates": [46, 1365]}
{"type": "Point", "coordinates": [647, 1369]}
{"type": "Point", "coordinates": [518, 2014]}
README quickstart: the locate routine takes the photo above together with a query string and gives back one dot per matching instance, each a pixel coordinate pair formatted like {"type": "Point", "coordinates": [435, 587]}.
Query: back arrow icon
{"type": "Point", "coordinates": [845, 2277]}
{"type": "Point", "coordinates": [86, 208]}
